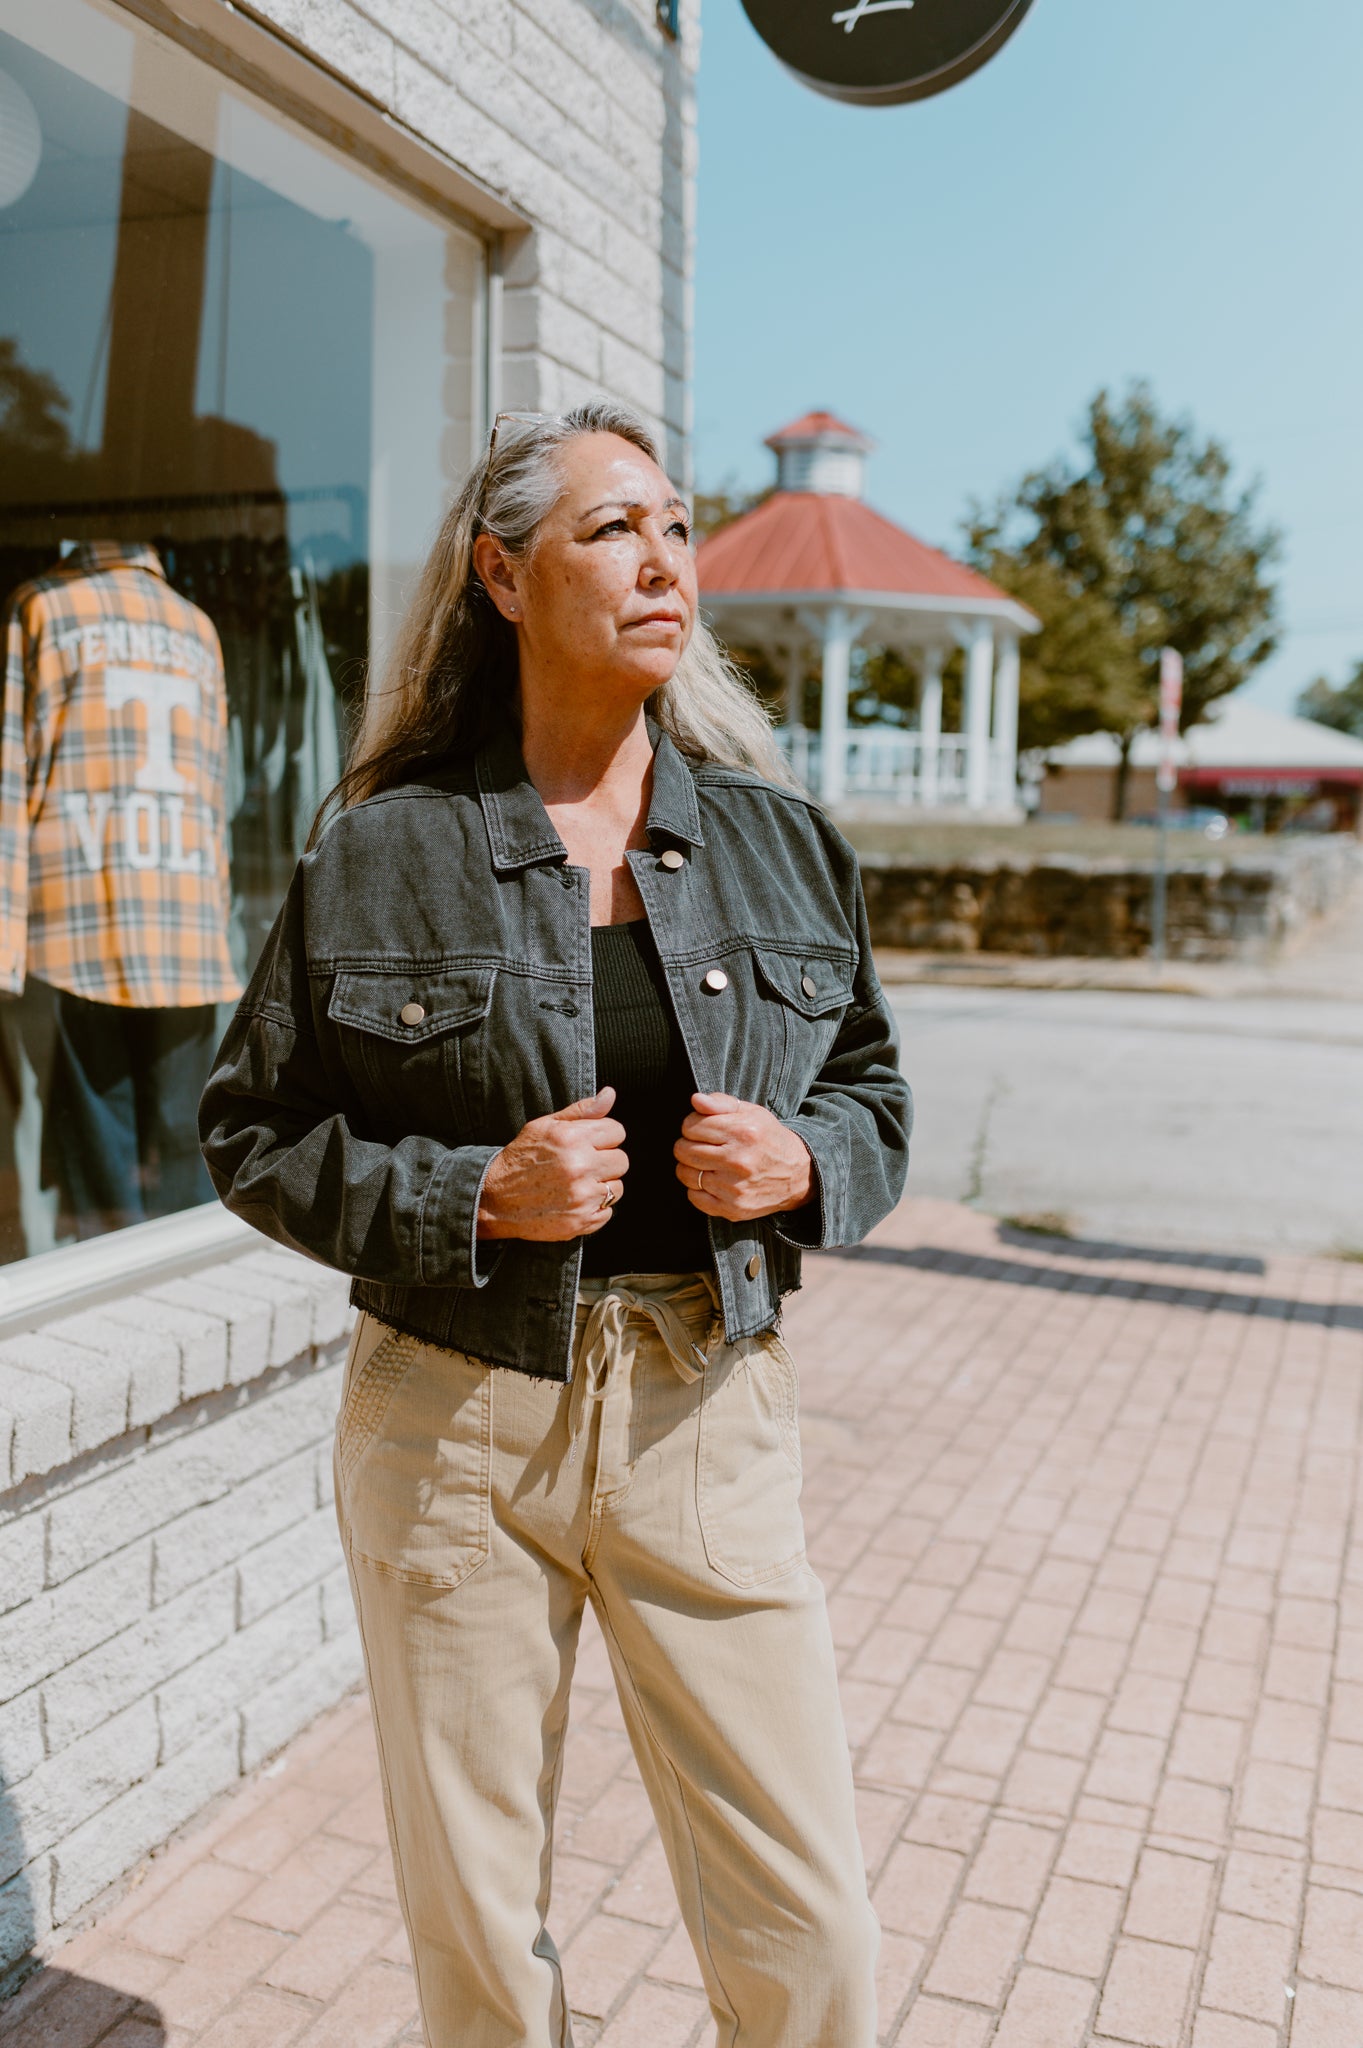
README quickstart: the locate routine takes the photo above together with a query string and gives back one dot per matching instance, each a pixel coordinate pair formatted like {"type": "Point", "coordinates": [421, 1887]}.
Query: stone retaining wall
{"type": "Point", "coordinates": [1054, 904]}
{"type": "Point", "coordinates": [173, 1602]}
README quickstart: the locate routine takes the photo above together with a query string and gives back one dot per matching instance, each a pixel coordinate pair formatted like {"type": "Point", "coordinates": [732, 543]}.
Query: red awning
{"type": "Point", "coordinates": [1267, 781]}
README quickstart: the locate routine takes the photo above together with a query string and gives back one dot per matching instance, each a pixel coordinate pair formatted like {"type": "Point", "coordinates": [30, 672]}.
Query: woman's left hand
{"type": "Point", "coordinates": [737, 1160]}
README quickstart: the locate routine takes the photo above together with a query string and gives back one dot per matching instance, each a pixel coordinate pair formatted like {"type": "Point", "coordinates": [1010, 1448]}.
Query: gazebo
{"type": "Point", "coordinates": [814, 566]}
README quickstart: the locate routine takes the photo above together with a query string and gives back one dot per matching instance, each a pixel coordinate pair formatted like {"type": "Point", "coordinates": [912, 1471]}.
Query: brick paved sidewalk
{"type": "Point", "coordinates": [1086, 1516]}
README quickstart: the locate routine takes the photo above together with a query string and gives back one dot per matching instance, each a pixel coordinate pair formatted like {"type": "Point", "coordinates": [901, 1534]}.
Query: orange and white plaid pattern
{"type": "Point", "coordinates": [113, 758]}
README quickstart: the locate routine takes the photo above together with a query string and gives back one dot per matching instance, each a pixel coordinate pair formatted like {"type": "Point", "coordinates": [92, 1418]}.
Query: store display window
{"type": "Point", "coordinates": [239, 377]}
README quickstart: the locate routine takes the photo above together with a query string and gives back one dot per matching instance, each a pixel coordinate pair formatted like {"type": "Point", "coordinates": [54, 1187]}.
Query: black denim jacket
{"type": "Point", "coordinates": [427, 989]}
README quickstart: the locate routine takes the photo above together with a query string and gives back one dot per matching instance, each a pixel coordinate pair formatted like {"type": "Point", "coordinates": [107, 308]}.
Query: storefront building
{"type": "Point", "coordinates": [1256, 769]}
{"type": "Point", "coordinates": [266, 275]}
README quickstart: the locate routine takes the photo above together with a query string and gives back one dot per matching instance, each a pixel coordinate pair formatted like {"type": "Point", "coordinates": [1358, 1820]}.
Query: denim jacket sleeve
{"type": "Point", "coordinates": [285, 1146]}
{"type": "Point", "coordinates": [858, 1115]}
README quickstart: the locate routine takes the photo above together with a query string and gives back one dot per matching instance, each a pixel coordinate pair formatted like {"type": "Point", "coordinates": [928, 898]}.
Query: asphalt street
{"type": "Point", "coordinates": [1145, 1119]}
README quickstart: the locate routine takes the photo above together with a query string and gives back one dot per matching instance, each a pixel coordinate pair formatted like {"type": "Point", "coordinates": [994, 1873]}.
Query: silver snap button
{"type": "Point", "coordinates": [412, 1013]}
{"type": "Point", "coordinates": [716, 979]}
{"type": "Point", "coordinates": [672, 859]}
{"type": "Point", "coordinates": [809, 985]}
{"type": "Point", "coordinates": [753, 1267]}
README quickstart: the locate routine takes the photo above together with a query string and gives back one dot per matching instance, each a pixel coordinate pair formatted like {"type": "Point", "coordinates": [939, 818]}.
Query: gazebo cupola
{"type": "Point", "coordinates": [814, 565]}
{"type": "Point", "coordinates": [820, 453]}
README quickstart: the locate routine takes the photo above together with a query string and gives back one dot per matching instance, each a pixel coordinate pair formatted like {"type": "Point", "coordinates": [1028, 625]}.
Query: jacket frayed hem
{"type": "Point", "coordinates": [405, 1327]}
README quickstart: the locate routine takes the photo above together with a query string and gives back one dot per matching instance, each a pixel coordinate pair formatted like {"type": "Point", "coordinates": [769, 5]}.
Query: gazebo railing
{"type": "Point", "coordinates": [899, 767]}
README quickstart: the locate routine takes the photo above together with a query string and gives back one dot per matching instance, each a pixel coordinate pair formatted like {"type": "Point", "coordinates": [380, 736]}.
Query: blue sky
{"type": "Point", "coordinates": [1168, 189]}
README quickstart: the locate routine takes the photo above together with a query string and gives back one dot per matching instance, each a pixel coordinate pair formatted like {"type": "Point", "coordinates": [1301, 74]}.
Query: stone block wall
{"type": "Point", "coordinates": [581, 114]}
{"type": "Point", "coordinates": [1052, 905]}
{"type": "Point", "coordinates": [173, 1601]}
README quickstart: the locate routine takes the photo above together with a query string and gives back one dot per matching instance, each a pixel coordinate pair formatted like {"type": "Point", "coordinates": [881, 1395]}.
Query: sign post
{"type": "Point", "coordinates": [880, 53]}
{"type": "Point", "coordinates": [1166, 777]}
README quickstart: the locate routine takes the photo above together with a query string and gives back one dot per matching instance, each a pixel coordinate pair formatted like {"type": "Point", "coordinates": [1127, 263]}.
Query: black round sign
{"type": "Point", "coordinates": [882, 52]}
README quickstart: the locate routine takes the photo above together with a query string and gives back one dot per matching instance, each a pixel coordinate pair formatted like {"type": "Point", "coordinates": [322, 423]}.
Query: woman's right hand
{"type": "Point", "coordinates": [552, 1180]}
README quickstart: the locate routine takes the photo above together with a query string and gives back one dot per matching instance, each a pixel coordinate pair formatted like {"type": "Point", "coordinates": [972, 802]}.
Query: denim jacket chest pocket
{"type": "Point", "coordinates": [413, 1039]}
{"type": "Point", "coordinates": [805, 997]}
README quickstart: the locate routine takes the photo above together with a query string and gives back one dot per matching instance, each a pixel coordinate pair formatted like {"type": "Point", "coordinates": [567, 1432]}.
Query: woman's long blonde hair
{"type": "Point", "coordinates": [452, 674]}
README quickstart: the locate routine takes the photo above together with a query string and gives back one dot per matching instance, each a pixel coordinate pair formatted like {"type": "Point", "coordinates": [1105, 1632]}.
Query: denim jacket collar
{"type": "Point", "coordinates": [519, 830]}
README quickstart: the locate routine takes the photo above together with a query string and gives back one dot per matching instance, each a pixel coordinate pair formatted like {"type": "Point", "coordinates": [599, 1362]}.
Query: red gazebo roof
{"type": "Point", "coordinates": [815, 544]}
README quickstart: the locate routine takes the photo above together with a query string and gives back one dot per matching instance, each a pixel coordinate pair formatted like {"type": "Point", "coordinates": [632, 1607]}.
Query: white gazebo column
{"type": "Point", "coordinates": [795, 686]}
{"type": "Point", "coordinates": [1007, 668]}
{"type": "Point", "coordinates": [795, 709]}
{"type": "Point", "coordinates": [839, 631]}
{"type": "Point", "coordinates": [930, 726]}
{"type": "Point", "coordinates": [979, 677]}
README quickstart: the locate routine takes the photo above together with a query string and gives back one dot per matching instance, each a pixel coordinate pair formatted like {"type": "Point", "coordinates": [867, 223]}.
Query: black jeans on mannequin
{"type": "Point", "coordinates": [120, 1140]}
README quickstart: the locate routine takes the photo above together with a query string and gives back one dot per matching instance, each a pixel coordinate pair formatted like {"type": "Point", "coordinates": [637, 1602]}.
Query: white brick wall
{"type": "Point", "coordinates": [173, 1605]}
{"type": "Point", "coordinates": [581, 113]}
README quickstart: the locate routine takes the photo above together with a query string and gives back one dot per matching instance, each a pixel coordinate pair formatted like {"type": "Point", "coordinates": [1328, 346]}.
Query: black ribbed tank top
{"type": "Point", "coordinates": [639, 1052]}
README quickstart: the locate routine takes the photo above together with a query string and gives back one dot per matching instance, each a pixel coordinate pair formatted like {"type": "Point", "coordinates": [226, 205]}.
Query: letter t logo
{"type": "Point", "coordinates": [161, 693]}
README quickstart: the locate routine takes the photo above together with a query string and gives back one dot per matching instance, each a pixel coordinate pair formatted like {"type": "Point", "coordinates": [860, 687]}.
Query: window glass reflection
{"type": "Point", "coordinates": [238, 378]}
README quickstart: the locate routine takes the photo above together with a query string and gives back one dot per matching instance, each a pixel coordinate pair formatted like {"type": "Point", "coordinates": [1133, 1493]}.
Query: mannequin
{"type": "Point", "coordinates": [113, 871]}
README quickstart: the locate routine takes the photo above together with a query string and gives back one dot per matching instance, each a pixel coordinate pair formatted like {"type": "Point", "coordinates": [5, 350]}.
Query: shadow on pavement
{"type": "Point", "coordinates": [55, 2007]}
{"type": "Point", "coordinates": [1134, 1254]}
{"type": "Point", "coordinates": [1063, 1280]}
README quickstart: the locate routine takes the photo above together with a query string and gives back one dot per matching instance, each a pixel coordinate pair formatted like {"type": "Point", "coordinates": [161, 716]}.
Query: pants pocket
{"type": "Point", "coordinates": [414, 1458]}
{"type": "Point", "coordinates": [748, 1463]}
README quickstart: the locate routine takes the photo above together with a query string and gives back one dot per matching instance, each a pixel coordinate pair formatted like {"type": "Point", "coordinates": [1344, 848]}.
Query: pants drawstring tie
{"type": "Point", "coordinates": [600, 1343]}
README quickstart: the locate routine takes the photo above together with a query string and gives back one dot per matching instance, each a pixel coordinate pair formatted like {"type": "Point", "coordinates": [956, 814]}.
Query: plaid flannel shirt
{"type": "Point", "coordinates": [113, 758]}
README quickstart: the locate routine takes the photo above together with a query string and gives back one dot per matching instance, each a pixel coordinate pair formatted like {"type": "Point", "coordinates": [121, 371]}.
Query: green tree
{"type": "Point", "coordinates": [1340, 707]}
{"type": "Point", "coordinates": [1080, 673]}
{"type": "Point", "coordinates": [35, 440]}
{"type": "Point", "coordinates": [31, 406]}
{"type": "Point", "coordinates": [711, 510]}
{"type": "Point", "coordinates": [1147, 544]}
{"type": "Point", "coordinates": [883, 688]}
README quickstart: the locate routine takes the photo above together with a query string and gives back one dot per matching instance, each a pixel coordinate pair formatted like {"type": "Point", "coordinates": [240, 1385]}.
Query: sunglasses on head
{"type": "Point", "coordinates": [523, 418]}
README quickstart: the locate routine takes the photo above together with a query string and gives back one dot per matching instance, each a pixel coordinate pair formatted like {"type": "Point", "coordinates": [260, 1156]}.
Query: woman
{"type": "Point", "coordinates": [566, 1040]}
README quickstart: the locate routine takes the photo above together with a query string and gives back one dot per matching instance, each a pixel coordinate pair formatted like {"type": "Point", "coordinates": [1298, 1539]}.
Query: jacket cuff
{"type": "Point", "coordinates": [449, 1254]}
{"type": "Point", "coordinates": [814, 1224]}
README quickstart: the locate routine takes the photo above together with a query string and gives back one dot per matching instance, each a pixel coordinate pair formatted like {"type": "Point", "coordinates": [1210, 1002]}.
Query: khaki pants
{"type": "Point", "coordinates": [480, 1510]}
